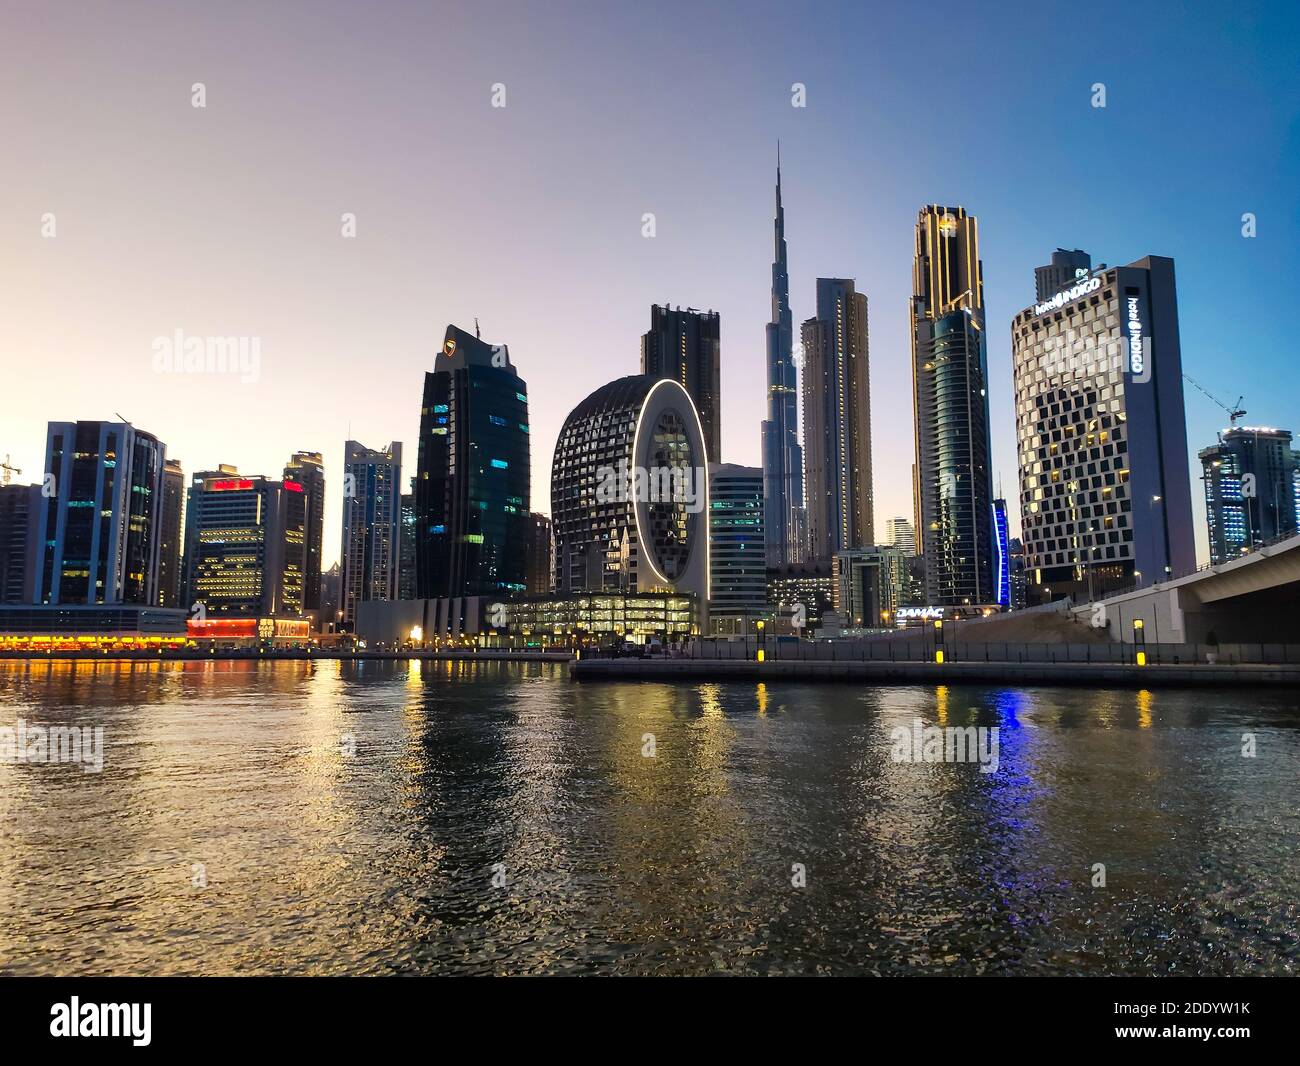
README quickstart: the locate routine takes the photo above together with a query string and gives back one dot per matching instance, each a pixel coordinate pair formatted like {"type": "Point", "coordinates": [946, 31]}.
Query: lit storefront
{"type": "Point", "coordinates": [90, 628]}
{"type": "Point", "coordinates": [582, 621]}
{"type": "Point", "coordinates": [250, 632]}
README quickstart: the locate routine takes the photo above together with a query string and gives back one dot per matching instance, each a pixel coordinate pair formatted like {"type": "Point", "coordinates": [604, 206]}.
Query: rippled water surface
{"type": "Point", "coordinates": [384, 861]}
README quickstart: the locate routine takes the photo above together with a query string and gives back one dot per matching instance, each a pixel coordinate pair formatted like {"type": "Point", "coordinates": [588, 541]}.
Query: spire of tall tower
{"type": "Point", "coordinates": [782, 457]}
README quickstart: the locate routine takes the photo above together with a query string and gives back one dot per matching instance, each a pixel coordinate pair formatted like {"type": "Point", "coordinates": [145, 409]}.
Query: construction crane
{"type": "Point", "coordinates": [7, 472]}
{"type": "Point", "coordinates": [1235, 412]}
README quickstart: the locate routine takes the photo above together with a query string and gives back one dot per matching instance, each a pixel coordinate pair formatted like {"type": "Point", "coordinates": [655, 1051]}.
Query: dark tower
{"type": "Point", "coordinates": [685, 347]}
{"type": "Point", "coordinates": [472, 477]}
{"type": "Point", "coordinates": [308, 470]}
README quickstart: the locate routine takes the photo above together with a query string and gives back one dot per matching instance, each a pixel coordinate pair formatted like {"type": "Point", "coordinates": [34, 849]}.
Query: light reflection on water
{"type": "Point", "coordinates": [317, 862]}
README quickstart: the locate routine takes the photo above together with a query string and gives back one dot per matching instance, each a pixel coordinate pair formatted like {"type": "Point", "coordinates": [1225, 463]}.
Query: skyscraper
{"type": "Point", "coordinates": [901, 535]}
{"type": "Point", "coordinates": [372, 523]}
{"type": "Point", "coordinates": [629, 492]}
{"type": "Point", "coordinates": [20, 508]}
{"type": "Point", "coordinates": [737, 550]}
{"type": "Point", "coordinates": [244, 545]}
{"type": "Point", "coordinates": [837, 421]}
{"type": "Point", "coordinates": [406, 578]}
{"type": "Point", "coordinates": [685, 347]}
{"type": "Point", "coordinates": [1064, 270]}
{"type": "Point", "coordinates": [1105, 498]}
{"type": "Point", "coordinates": [865, 588]}
{"type": "Point", "coordinates": [308, 470]}
{"type": "Point", "coordinates": [169, 549]}
{"type": "Point", "coordinates": [472, 481]}
{"type": "Point", "coordinates": [952, 481]}
{"type": "Point", "coordinates": [99, 534]}
{"type": "Point", "coordinates": [1002, 560]}
{"type": "Point", "coordinates": [1249, 478]}
{"type": "Point", "coordinates": [785, 519]}
{"type": "Point", "coordinates": [540, 562]}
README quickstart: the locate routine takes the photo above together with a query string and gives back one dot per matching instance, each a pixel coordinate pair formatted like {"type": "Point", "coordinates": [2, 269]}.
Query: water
{"type": "Point", "coordinates": [383, 862]}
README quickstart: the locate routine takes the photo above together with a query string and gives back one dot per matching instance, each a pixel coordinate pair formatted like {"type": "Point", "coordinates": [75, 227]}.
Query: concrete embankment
{"type": "Point", "coordinates": [1095, 674]}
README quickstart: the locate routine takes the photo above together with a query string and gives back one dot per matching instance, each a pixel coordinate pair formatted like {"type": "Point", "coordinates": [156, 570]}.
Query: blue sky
{"type": "Point", "coordinates": [226, 220]}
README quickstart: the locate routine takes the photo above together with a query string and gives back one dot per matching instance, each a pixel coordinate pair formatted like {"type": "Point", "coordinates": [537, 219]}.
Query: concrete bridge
{"type": "Point", "coordinates": [1253, 599]}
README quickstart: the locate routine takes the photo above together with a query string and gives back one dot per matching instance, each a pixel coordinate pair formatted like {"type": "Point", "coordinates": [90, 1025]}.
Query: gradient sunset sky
{"type": "Point", "coordinates": [226, 220]}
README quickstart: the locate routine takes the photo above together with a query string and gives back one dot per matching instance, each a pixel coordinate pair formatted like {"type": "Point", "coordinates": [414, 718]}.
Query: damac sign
{"type": "Point", "coordinates": [1066, 295]}
{"type": "Point", "coordinates": [920, 612]}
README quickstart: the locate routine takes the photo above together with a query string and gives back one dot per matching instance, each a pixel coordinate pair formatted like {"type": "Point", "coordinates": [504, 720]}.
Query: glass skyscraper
{"type": "Point", "coordinates": [953, 486]}
{"type": "Point", "coordinates": [1002, 568]}
{"type": "Point", "coordinates": [737, 564]}
{"type": "Point", "coordinates": [169, 531]}
{"type": "Point", "coordinates": [99, 531]}
{"type": "Point", "coordinates": [472, 479]}
{"type": "Point", "coordinates": [372, 525]}
{"type": "Point", "coordinates": [785, 519]}
{"type": "Point", "coordinates": [308, 470]}
{"type": "Point", "coordinates": [1250, 477]}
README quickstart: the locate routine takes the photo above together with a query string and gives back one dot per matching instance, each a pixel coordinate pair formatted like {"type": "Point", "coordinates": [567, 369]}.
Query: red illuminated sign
{"type": "Point", "coordinates": [229, 485]}
{"type": "Point", "coordinates": [293, 486]}
{"type": "Point", "coordinates": [222, 627]}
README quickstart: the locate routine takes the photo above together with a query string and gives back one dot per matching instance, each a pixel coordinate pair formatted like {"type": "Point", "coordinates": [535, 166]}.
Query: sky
{"type": "Point", "coordinates": [127, 213]}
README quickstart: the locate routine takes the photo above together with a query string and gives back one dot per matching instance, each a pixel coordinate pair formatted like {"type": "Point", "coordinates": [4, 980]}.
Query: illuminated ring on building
{"type": "Point", "coordinates": [669, 418]}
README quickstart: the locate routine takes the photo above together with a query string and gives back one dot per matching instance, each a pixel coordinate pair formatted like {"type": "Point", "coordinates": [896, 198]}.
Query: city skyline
{"type": "Point", "coordinates": [150, 241]}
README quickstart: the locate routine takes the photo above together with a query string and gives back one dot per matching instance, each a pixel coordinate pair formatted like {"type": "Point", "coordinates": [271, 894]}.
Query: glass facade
{"type": "Point", "coordinates": [785, 526]}
{"type": "Point", "coordinates": [1249, 478]}
{"type": "Point", "coordinates": [953, 485]}
{"type": "Point", "coordinates": [619, 522]}
{"type": "Point", "coordinates": [957, 504]}
{"type": "Point", "coordinates": [372, 523]}
{"type": "Point", "coordinates": [1002, 569]}
{"type": "Point", "coordinates": [308, 470]}
{"type": "Point", "coordinates": [597, 619]}
{"type": "Point", "coordinates": [100, 528]}
{"type": "Point", "coordinates": [737, 567]}
{"type": "Point", "coordinates": [406, 588]}
{"type": "Point", "coordinates": [472, 480]}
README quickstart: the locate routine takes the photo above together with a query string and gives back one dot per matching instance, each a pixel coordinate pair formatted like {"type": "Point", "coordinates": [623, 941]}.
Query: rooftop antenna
{"type": "Point", "coordinates": [476, 333]}
{"type": "Point", "coordinates": [7, 471]}
{"type": "Point", "coordinates": [122, 417]}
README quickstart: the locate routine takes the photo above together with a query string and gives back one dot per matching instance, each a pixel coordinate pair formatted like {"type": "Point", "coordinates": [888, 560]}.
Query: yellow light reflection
{"type": "Point", "coordinates": [1144, 708]}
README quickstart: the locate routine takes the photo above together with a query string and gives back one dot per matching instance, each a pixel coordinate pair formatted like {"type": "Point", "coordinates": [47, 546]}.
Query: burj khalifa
{"type": "Point", "coordinates": [784, 516]}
